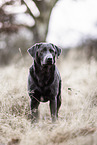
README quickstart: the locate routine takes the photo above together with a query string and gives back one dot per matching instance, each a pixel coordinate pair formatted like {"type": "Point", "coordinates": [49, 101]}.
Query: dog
{"type": "Point", "coordinates": [44, 81]}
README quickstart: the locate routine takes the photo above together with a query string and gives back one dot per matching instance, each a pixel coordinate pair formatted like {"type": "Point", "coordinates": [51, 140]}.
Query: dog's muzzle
{"type": "Point", "coordinates": [48, 60]}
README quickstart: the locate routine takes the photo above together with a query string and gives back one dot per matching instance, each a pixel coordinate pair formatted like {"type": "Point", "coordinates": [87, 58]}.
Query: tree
{"type": "Point", "coordinates": [39, 29]}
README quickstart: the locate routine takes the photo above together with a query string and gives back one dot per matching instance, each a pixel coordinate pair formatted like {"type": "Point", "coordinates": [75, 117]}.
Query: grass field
{"type": "Point", "coordinates": [77, 123]}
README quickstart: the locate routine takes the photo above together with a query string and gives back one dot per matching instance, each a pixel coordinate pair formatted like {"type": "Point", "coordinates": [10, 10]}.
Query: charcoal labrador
{"type": "Point", "coordinates": [44, 81]}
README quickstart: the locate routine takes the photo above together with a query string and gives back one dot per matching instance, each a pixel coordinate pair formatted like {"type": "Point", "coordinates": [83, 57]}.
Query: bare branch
{"type": "Point", "coordinates": [28, 9]}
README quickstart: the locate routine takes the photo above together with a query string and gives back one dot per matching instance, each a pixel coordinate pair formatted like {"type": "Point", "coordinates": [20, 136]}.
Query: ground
{"type": "Point", "coordinates": [77, 123]}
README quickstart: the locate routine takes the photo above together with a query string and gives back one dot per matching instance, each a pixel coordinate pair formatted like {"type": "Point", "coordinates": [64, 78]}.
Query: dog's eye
{"type": "Point", "coordinates": [51, 51]}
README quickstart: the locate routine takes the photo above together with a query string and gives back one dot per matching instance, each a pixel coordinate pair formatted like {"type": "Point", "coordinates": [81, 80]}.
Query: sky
{"type": "Point", "coordinates": [72, 22]}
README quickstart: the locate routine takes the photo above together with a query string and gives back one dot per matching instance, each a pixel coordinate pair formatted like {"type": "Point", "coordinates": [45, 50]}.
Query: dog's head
{"type": "Point", "coordinates": [44, 53]}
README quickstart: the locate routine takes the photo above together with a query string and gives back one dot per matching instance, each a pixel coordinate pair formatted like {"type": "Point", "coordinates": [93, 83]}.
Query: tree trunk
{"type": "Point", "coordinates": [41, 23]}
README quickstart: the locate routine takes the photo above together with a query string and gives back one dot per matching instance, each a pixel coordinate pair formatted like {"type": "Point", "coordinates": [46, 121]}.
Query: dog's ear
{"type": "Point", "coordinates": [57, 49]}
{"type": "Point", "coordinates": [32, 50]}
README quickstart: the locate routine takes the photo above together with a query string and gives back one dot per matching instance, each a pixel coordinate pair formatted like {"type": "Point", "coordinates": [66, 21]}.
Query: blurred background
{"type": "Point", "coordinates": [70, 24]}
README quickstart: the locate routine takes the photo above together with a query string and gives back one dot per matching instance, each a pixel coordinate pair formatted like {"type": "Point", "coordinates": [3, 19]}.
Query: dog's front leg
{"type": "Point", "coordinates": [34, 110]}
{"type": "Point", "coordinates": [53, 109]}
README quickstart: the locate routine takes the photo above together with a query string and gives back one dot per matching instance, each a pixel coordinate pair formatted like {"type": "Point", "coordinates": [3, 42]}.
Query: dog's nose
{"type": "Point", "coordinates": [49, 60]}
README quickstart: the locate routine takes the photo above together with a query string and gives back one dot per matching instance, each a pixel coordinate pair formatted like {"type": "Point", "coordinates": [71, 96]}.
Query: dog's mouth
{"type": "Point", "coordinates": [48, 61]}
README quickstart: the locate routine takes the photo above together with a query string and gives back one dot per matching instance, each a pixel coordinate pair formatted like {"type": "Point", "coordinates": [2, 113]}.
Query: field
{"type": "Point", "coordinates": [77, 123]}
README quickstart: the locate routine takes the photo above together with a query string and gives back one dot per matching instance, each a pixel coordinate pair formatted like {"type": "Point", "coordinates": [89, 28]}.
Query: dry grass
{"type": "Point", "coordinates": [77, 124]}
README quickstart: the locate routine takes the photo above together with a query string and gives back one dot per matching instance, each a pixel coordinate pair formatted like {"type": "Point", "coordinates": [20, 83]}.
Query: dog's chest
{"type": "Point", "coordinates": [42, 77]}
{"type": "Point", "coordinates": [44, 94]}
